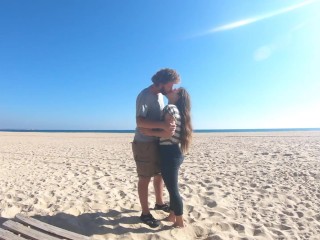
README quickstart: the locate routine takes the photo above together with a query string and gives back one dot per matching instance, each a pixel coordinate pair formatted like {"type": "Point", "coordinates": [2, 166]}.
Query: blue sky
{"type": "Point", "coordinates": [75, 64]}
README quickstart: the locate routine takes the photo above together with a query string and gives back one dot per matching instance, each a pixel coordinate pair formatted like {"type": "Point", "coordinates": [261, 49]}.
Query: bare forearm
{"type": "Point", "coordinates": [145, 123]}
{"type": "Point", "coordinates": [160, 133]}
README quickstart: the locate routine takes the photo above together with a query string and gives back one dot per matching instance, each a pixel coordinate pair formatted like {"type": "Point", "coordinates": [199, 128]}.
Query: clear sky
{"type": "Point", "coordinates": [75, 64]}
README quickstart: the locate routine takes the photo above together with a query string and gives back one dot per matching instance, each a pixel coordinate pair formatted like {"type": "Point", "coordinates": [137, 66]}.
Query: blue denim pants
{"type": "Point", "coordinates": [171, 158]}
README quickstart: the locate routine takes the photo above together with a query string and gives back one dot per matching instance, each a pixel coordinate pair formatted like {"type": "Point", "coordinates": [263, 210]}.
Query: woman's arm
{"type": "Point", "coordinates": [165, 133]}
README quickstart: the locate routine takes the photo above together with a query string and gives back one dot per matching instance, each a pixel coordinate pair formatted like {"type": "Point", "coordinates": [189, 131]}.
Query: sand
{"type": "Point", "coordinates": [234, 185]}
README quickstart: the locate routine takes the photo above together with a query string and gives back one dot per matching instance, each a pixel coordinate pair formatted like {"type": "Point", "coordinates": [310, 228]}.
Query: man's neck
{"type": "Point", "coordinates": [154, 89]}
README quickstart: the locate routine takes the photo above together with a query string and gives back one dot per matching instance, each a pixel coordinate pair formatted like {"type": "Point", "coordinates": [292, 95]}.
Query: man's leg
{"type": "Point", "coordinates": [143, 185]}
{"type": "Point", "coordinates": [158, 189]}
{"type": "Point", "coordinates": [146, 216]}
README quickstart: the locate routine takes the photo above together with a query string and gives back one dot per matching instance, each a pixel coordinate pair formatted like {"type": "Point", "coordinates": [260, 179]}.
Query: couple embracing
{"type": "Point", "coordinates": [162, 137]}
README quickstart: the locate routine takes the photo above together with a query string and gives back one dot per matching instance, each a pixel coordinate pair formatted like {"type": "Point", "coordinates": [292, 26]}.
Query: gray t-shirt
{"type": "Point", "coordinates": [149, 106]}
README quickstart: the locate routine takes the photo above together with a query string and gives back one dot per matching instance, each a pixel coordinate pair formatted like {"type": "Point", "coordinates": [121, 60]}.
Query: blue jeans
{"type": "Point", "coordinates": [171, 159]}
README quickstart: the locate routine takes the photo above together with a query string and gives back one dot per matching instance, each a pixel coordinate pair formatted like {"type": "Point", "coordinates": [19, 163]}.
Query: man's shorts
{"type": "Point", "coordinates": [147, 158]}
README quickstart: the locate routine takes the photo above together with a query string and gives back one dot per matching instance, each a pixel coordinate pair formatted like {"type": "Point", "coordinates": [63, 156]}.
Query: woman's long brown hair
{"type": "Point", "coordinates": [184, 106]}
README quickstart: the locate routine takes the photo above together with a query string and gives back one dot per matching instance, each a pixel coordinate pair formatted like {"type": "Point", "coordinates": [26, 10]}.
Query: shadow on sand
{"type": "Point", "coordinates": [99, 223]}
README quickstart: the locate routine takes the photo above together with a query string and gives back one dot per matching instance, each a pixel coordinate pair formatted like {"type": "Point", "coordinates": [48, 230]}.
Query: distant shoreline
{"type": "Point", "coordinates": [196, 131]}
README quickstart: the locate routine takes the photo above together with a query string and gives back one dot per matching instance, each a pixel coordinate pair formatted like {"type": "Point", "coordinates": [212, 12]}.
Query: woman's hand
{"type": "Point", "coordinates": [170, 124]}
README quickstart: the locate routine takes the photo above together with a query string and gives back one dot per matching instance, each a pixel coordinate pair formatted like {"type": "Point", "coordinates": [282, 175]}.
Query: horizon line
{"type": "Point", "coordinates": [133, 130]}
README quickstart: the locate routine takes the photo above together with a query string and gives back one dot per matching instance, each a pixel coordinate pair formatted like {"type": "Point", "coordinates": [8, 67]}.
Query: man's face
{"type": "Point", "coordinates": [166, 88]}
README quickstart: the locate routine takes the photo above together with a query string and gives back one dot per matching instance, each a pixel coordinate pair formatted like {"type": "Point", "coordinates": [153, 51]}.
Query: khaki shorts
{"type": "Point", "coordinates": [147, 158]}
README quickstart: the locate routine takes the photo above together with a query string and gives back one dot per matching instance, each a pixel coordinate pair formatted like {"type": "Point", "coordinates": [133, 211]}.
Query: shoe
{"type": "Point", "coordinates": [149, 220]}
{"type": "Point", "coordinates": [165, 207]}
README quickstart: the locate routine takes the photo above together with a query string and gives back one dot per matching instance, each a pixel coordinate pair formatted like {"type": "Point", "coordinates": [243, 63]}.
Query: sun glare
{"type": "Point", "coordinates": [245, 22]}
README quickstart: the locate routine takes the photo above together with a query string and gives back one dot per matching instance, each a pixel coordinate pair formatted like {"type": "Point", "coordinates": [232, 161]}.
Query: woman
{"type": "Point", "coordinates": [173, 147]}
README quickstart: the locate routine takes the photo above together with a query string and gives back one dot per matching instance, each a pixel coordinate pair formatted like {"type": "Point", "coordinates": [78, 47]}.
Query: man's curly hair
{"type": "Point", "coordinates": [166, 75]}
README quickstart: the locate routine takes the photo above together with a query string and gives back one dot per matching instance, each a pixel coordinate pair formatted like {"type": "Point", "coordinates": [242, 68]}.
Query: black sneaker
{"type": "Point", "coordinates": [165, 207]}
{"type": "Point", "coordinates": [150, 220]}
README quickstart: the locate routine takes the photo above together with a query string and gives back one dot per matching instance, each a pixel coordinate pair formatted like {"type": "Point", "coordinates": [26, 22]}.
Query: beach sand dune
{"type": "Point", "coordinates": [234, 185]}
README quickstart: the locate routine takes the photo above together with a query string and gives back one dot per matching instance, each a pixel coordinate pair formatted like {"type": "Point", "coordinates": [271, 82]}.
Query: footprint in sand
{"type": "Point", "coordinates": [200, 232]}
{"type": "Point", "coordinates": [317, 217]}
{"type": "Point", "coordinates": [238, 227]}
{"type": "Point", "coordinates": [212, 204]}
{"type": "Point", "coordinates": [288, 213]}
{"type": "Point", "coordinates": [279, 234]}
{"type": "Point", "coordinates": [222, 226]}
{"type": "Point", "coordinates": [17, 199]}
{"type": "Point", "coordinates": [98, 186]}
{"type": "Point", "coordinates": [284, 227]}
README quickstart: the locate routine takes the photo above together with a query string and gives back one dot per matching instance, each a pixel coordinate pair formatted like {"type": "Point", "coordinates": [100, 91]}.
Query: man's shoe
{"type": "Point", "coordinates": [165, 207]}
{"type": "Point", "coordinates": [150, 220]}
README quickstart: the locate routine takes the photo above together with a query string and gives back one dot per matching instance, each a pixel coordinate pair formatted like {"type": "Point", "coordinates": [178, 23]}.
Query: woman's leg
{"type": "Point", "coordinates": [171, 161]}
{"type": "Point", "coordinates": [170, 177]}
{"type": "Point", "coordinates": [173, 189]}
{"type": "Point", "coordinates": [165, 172]}
{"type": "Point", "coordinates": [166, 178]}
{"type": "Point", "coordinates": [179, 223]}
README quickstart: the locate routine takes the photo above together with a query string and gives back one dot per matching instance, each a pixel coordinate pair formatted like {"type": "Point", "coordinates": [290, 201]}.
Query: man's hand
{"type": "Point", "coordinates": [146, 131]}
{"type": "Point", "coordinates": [168, 127]}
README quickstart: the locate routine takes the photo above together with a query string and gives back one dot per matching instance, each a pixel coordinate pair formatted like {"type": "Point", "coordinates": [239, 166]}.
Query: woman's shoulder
{"type": "Point", "coordinates": [171, 106]}
{"type": "Point", "coordinates": [171, 109]}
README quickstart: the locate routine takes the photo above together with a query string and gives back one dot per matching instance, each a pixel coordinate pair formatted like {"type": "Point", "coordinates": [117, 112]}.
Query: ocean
{"type": "Point", "coordinates": [197, 130]}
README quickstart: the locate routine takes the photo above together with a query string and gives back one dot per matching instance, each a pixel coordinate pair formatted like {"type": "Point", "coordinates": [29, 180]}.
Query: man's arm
{"type": "Point", "coordinates": [161, 132]}
{"type": "Point", "coordinates": [168, 126]}
{"type": "Point", "coordinates": [155, 133]}
{"type": "Point", "coordinates": [145, 123]}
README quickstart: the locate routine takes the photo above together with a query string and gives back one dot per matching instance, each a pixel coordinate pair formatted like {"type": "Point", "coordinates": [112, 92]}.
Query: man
{"type": "Point", "coordinates": [145, 149]}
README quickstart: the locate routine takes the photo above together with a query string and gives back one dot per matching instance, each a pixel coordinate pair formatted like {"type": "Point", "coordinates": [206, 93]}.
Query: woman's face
{"type": "Point", "coordinates": [173, 96]}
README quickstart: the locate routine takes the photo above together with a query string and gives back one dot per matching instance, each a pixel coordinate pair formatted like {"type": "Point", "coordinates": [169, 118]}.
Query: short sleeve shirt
{"type": "Point", "coordinates": [149, 106]}
{"type": "Point", "coordinates": [174, 112]}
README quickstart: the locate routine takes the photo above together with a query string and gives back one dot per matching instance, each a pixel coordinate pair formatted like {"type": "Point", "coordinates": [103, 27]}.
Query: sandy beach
{"type": "Point", "coordinates": [234, 185]}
